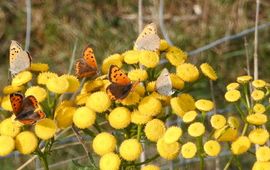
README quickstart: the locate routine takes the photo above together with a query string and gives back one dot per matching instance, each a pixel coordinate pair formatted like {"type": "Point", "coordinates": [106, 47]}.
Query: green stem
{"type": "Point", "coordinates": [201, 152]}
{"type": "Point", "coordinates": [240, 112]}
{"type": "Point", "coordinates": [203, 116]}
{"type": "Point", "coordinates": [43, 157]}
{"type": "Point", "coordinates": [245, 129]}
{"type": "Point", "coordinates": [246, 95]}
{"type": "Point", "coordinates": [147, 160]}
{"type": "Point", "coordinates": [96, 125]}
{"type": "Point", "coordinates": [139, 130]}
{"type": "Point", "coordinates": [89, 132]}
{"type": "Point", "coordinates": [228, 163]}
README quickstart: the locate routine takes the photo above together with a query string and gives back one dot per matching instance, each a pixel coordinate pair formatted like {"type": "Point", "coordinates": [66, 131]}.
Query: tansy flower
{"type": "Point", "coordinates": [98, 101]}
{"type": "Point", "coordinates": [177, 82]}
{"type": "Point", "coordinates": [119, 118]}
{"type": "Point", "coordinates": [132, 99]}
{"type": "Point", "coordinates": [258, 165]}
{"type": "Point", "coordinates": [12, 89]}
{"type": "Point", "coordinates": [189, 116]}
{"type": "Point", "coordinates": [225, 134]}
{"type": "Point", "coordinates": [84, 117]}
{"type": "Point", "coordinates": [259, 108]}
{"type": "Point", "coordinates": [163, 45]}
{"type": "Point", "coordinates": [22, 78]}
{"type": "Point", "coordinates": [218, 121]}
{"type": "Point", "coordinates": [182, 104]}
{"type": "Point", "coordinates": [212, 148]}
{"type": "Point", "coordinates": [149, 59]}
{"type": "Point", "coordinates": [81, 99]}
{"type": "Point", "coordinates": [39, 67]}
{"type": "Point", "coordinates": [154, 130]}
{"type": "Point", "coordinates": [58, 85]}
{"type": "Point", "coordinates": [8, 127]}
{"type": "Point", "coordinates": [263, 154]}
{"type": "Point", "coordinates": [64, 117]}
{"type": "Point", "coordinates": [243, 79]}
{"type": "Point", "coordinates": [62, 105]}
{"type": "Point", "coordinates": [115, 59]}
{"type": "Point", "coordinates": [188, 150]}
{"type": "Point", "coordinates": [232, 95]}
{"type": "Point", "coordinates": [26, 142]}
{"type": "Point", "coordinates": [38, 92]}
{"type": "Point", "coordinates": [172, 134]}
{"type": "Point", "coordinates": [104, 143]}
{"type": "Point", "coordinates": [5, 103]}
{"type": "Point", "coordinates": [257, 95]}
{"type": "Point", "coordinates": [138, 75]}
{"type": "Point", "coordinates": [176, 56]}
{"type": "Point", "coordinates": [7, 145]}
{"type": "Point", "coordinates": [258, 136]}
{"type": "Point", "coordinates": [204, 105]}
{"type": "Point", "coordinates": [139, 118]}
{"type": "Point", "coordinates": [44, 77]}
{"type": "Point", "coordinates": [196, 129]}
{"type": "Point", "coordinates": [73, 82]}
{"type": "Point", "coordinates": [240, 145]}
{"type": "Point", "coordinates": [140, 89]}
{"type": "Point", "coordinates": [208, 71]}
{"type": "Point", "coordinates": [164, 99]}
{"type": "Point", "coordinates": [109, 161]}
{"type": "Point", "coordinates": [187, 72]}
{"type": "Point", "coordinates": [257, 119]}
{"type": "Point", "coordinates": [150, 167]}
{"type": "Point", "coordinates": [45, 129]}
{"type": "Point", "coordinates": [258, 83]}
{"type": "Point", "coordinates": [233, 122]}
{"type": "Point", "coordinates": [131, 56]}
{"type": "Point", "coordinates": [151, 86]}
{"type": "Point", "coordinates": [232, 86]}
{"type": "Point", "coordinates": [150, 106]}
{"type": "Point", "coordinates": [168, 151]}
{"type": "Point", "coordinates": [130, 149]}
{"type": "Point", "coordinates": [92, 85]}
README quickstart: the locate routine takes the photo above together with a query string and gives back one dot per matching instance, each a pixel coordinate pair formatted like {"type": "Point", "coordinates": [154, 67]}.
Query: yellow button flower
{"type": "Point", "coordinates": [139, 118]}
{"type": "Point", "coordinates": [115, 59]}
{"type": "Point", "coordinates": [109, 161]}
{"type": "Point", "coordinates": [263, 154]}
{"type": "Point", "coordinates": [64, 118]}
{"type": "Point", "coordinates": [45, 129]}
{"type": "Point", "coordinates": [218, 121]}
{"type": "Point", "coordinates": [81, 99]}
{"type": "Point", "coordinates": [244, 79]}
{"type": "Point", "coordinates": [212, 148]}
{"type": "Point", "coordinates": [182, 104]}
{"type": "Point", "coordinates": [259, 108]}
{"type": "Point", "coordinates": [98, 101]}
{"type": "Point", "coordinates": [187, 72]}
{"type": "Point", "coordinates": [226, 134]}
{"type": "Point", "coordinates": [131, 56]}
{"type": "Point", "coordinates": [39, 67]}
{"type": "Point", "coordinates": [232, 86]}
{"type": "Point", "coordinates": [258, 83]}
{"type": "Point", "coordinates": [151, 86]}
{"type": "Point", "coordinates": [196, 129]}
{"type": "Point", "coordinates": [258, 136]}
{"type": "Point", "coordinates": [154, 130]}
{"type": "Point", "coordinates": [232, 95]}
{"type": "Point", "coordinates": [130, 149]}
{"type": "Point", "coordinates": [258, 165]}
{"type": "Point", "coordinates": [240, 145]}
{"type": "Point", "coordinates": [8, 127]}
{"type": "Point", "coordinates": [120, 118]}
{"type": "Point", "coordinates": [7, 145]}
{"type": "Point", "coordinates": [12, 89]}
{"type": "Point", "coordinates": [190, 116]}
{"type": "Point", "coordinates": [188, 150]}
{"type": "Point", "coordinates": [233, 122]}
{"type": "Point", "coordinates": [132, 99]}
{"type": "Point", "coordinates": [84, 117]}
{"type": "Point", "coordinates": [177, 82]}
{"type": "Point", "coordinates": [22, 78]}
{"type": "Point", "coordinates": [168, 151]}
{"type": "Point", "coordinates": [257, 119]}
{"type": "Point", "coordinates": [172, 134]}
{"type": "Point", "coordinates": [38, 92]}
{"type": "Point", "coordinates": [150, 167]}
{"type": "Point", "coordinates": [150, 106]}
{"type": "Point", "coordinates": [5, 103]}
{"type": "Point", "coordinates": [257, 95]}
{"type": "Point", "coordinates": [26, 142]}
{"type": "Point", "coordinates": [208, 71]}
{"type": "Point", "coordinates": [92, 85]}
{"type": "Point", "coordinates": [138, 75]}
{"type": "Point", "coordinates": [149, 59]}
{"type": "Point", "coordinates": [163, 45]}
{"type": "Point", "coordinates": [176, 56]}
{"type": "Point", "coordinates": [58, 85]}
{"type": "Point", "coordinates": [73, 83]}
{"type": "Point", "coordinates": [61, 106]}
{"type": "Point", "coordinates": [44, 77]}
{"type": "Point", "coordinates": [104, 143]}
{"type": "Point", "coordinates": [140, 89]}
{"type": "Point", "coordinates": [204, 105]}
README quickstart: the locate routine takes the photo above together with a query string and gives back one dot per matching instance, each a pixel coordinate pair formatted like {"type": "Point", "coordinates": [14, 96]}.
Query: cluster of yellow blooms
{"type": "Point", "coordinates": [119, 128]}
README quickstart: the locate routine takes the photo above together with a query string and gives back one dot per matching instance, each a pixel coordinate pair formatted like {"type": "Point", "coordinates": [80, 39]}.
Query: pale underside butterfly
{"type": "Point", "coordinates": [164, 83]}
{"type": "Point", "coordinates": [148, 38]}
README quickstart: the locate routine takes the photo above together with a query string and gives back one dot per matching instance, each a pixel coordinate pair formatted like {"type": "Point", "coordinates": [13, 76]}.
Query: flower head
{"type": "Point", "coordinates": [196, 129]}
{"type": "Point", "coordinates": [187, 72]}
{"type": "Point", "coordinates": [22, 78]}
{"type": "Point", "coordinates": [104, 143]}
{"type": "Point", "coordinates": [232, 95]}
{"type": "Point", "coordinates": [81, 99]}
{"type": "Point", "coordinates": [6, 104]}
{"type": "Point", "coordinates": [131, 56]}
{"type": "Point", "coordinates": [130, 149]}
{"type": "Point", "coordinates": [44, 77]}
{"type": "Point", "coordinates": [172, 134]}
{"type": "Point", "coordinates": [150, 167]}
{"type": "Point", "coordinates": [212, 148]}
{"type": "Point", "coordinates": [177, 82]}
{"type": "Point", "coordinates": [189, 116]}
{"type": "Point", "coordinates": [8, 127]}
{"type": "Point", "coordinates": [150, 106]}
{"type": "Point", "coordinates": [258, 136]}
{"type": "Point", "coordinates": [226, 133]}
{"type": "Point", "coordinates": [244, 79]}
{"type": "Point", "coordinates": [259, 108]}
{"type": "Point", "coordinates": [132, 99]}
{"type": "Point", "coordinates": [263, 154]}
{"type": "Point", "coordinates": [257, 95]}
{"type": "Point", "coordinates": [168, 151]}
{"type": "Point", "coordinates": [240, 145]}
{"type": "Point", "coordinates": [138, 75]}
{"type": "Point", "coordinates": [120, 118]}
{"type": "Point", "coordinates": [140, 89]}
{"type": "Point", "coordinates": [188, 150]}
{"type": "Point", "coordinates": [257, 119]}
{"type": "Point", "coordinates": [139, 118]}
{"type": "Point", "coordinates": [151, 86]}
{"type": "Point", "coordinates": [38, 92]}
{"type": "Point", "coordinates": [258, 165]}
{"type": "Point", "coordinates": [64, 117]}
{"type": "Point", "coordinates": [258, 83]}
{"type": "Point", "coordinates": [149, 59]}
{"type": "Point", "coordinates": [98, 101]}
{"type": "Point", "coordinates": [109, 161]}
{"type": "Point", "coordinates": [176, 56]}
{"type": "Point", "coordinates": [232, 86]}
{"type": "Point", "coordinates": [26, 142]}
{"type": "Point", "coordinates": [115, 59]}
{"type": "Point", "coordinates": [182, 104]}
{"type": "Point", "coordinates": [218, 121]}
{"type": "Point", "coordinates": [163, 45]}
{"type": "Point", "coordinates": [73, 82]}
{"type": "Point", "coordinates": [12, 89]}
{"type": "Point", "coordinates": [233, 122]}
{"type": "Point", "coordinates": [39, 67]}
{"type": "Point", "coordinates": [84, 117]}
{"type": "Point", "coordinates": [208, 71]}
{"type": "Point", "coordinates": [45, 128]}
{"type": "Point", "coordinates": [204, 105]}
{"type": "Point", "coordinates": [7, 145]}
{"type": "Point", "coordinates": [154, 130]}
{"type": "Point", "coordinates": [58, 85]}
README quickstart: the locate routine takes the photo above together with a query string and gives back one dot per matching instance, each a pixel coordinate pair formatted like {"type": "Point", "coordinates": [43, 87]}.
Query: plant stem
{"type": "Point", "coordinates": [245, 129]}
{"type": "Point", "coordinates": [228, 163]}
{"type": "Point", "coordinates": [147, 160]}
{"type": "Point", "coordinates": [240, 112]}
{"type": "Point", "coordinates": [200, 148]}
{"type": "Point", "coordinates": [139, 130]}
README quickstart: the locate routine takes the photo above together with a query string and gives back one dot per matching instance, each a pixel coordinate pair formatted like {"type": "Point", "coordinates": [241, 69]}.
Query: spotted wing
{"type": "Point", "coordinates": [21, 62]}
{"type": "Point", "coordinates": [118, 92]}
{"type": "Point", "coordinates": [16, 100]}
{"type": "Point", "coordinates": [117, 76]}
{"type": "Point", "coordinates": [83, 69]}
{"type": "Point", "coordinates": [164, 83]}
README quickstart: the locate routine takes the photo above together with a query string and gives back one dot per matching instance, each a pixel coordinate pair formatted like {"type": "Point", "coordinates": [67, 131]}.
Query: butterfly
{"type": "Point", "coordinates": [26, 109]}
{"type": "Point", "coordinates": [120, 85]}
{"type": "Point", "coordinates": [164, 83]}
{"type": "Point", "coordinates": [19, 60]}
{"type": "Point", "coordinates": [148, 38]}
{"type": "Point", "coordinates": [87, 65]}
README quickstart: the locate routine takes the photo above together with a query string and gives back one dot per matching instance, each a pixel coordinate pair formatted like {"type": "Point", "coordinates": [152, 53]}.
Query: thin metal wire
{"type": "Point", "coordinates": [28, 24]}
{"type": "Point", "coordinates": [161, 22]}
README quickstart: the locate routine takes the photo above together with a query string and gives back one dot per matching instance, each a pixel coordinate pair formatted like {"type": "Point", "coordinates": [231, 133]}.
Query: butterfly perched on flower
{"type": "Point", "coordinates": [120, 85]}
{"type": "Point", "coordinates": [19, 60]}
{"type": "Point", "coordinates": [148, 38]}
{"type": "Point", "coordinates": [164, 83]}
{"type": "Point", "coordinates": [87, 65]}
{"type": "Point", "coordinates": [26, 109]}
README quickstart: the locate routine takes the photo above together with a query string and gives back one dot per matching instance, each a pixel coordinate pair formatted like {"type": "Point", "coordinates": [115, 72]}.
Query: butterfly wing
{"type": "Point", "coordinates": [164, 83]}
{"type": "Point", "coordinates": [16, 100]}
{"type": "Point", "coordinates": [89, 57]}
{"type": "Point", "coordinates": [21, 62]}
{"type": "Point", "coordinates": [118, 92]}
{"type": "Point", "coordinates": [117, 76]}
{"type": "Point", "coordinates": [14, 50]}
{"type": "Point", "coordinates": [83, 69]}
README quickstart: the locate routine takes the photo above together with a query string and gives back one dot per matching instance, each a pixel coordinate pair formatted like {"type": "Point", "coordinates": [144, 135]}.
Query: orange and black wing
{"type": "Point", "coordinates": [84, 70]}
{"type": "Point", "coordinates": [118, 92]}
{"type": "Point", "coordinates": [117, 76]}
{"type": "Point", "coordinates": [89, 57]}
{"type": "Point", "coordinates": [16, 100]}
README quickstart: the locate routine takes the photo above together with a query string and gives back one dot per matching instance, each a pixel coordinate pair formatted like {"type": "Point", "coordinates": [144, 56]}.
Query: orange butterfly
{"type": "Point", "coordinates": [26, 109]}
{"type": "Point", "coordinates": [86, 66]}
{"type": "Point", "coordinates": [120, 85]}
